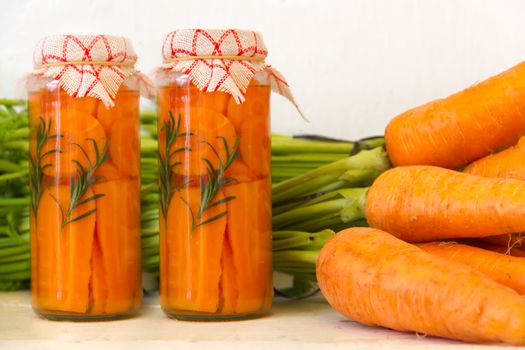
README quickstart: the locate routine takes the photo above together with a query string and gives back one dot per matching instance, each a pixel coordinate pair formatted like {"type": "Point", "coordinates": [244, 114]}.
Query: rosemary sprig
{"type": "Point", "coordinates": [36, 167]}
{"type": "Point", "coordinates": [79, 184]}
{"type": "Point", "coordinates": [214, 180]}
{"type": "Point", "coordinates": [167, 184]}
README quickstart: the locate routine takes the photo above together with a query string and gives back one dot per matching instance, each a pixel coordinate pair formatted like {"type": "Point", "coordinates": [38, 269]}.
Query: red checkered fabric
{"type": "Point", "coordinates": [72, 60]}
{"type": "Point", "coordinates": [222, 74]}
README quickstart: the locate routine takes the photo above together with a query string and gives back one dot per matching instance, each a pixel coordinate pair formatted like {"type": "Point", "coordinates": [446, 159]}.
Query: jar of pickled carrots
{"type": "Point", "coordinates": [213, 97]}
{"type": "Point", "coordinates": [83, 100]}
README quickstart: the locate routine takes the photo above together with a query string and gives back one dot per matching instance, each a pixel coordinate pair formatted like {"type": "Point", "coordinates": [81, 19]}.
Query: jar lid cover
{"type": "Point", "coordinates": [88, 65]}
{"type": "Point", "coordinates": [222, 60]}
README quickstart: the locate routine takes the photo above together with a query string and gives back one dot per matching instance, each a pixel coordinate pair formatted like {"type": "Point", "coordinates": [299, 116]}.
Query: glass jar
{"type": "Point", "coordinates": [215, 187]}
{"type": "Point", "coordinates": [85, 202]}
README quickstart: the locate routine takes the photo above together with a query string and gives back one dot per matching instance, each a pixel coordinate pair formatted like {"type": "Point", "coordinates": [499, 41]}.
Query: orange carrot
{"type": "Point", "coordinates": [210, 130]}
{"type": "Point", "coordinates": [107, 171]}
{"type": "Point", "coordinates": [217, 101]}
{"type": "Point", "coordinates": [79, 135]}
{"type": "Point", "coordinates": [240, 172]}
{"type": "Point", "coordinates": [63, 252]}
{"type": "Point", "coordinates": [126, 107]}
{"type": "Point", "coordinates": [229, 288]}
{"type": "Point", "coordinates": [249, 231]}
{"type": "Point", "coordinates": [51, 104]}
{"type": "Point", "coordinates": [463, 127]}
{"type": "Point", "coordinates": [376, 279]}
{"type": "Point", "coordinates": [254, 145]}
{"type": "Point", "coordinates": [257, 105]}
{"type": "Point", "coordinates": [504, 269]}
{"type": "Point", "coordinates": [124, 146]}
{"type": "Point", "coordinates": [425, 203]}
{"type": "Point", "coordinates": [118, 232]}
{"type": "Point", "coordinates": [512, 251]}
{"type": "Point", "coordinates": [193, 257]}
{"type": "Point", "coordinates": [507, 164]}
{"type": "Point", "coordinates": [99, 287]}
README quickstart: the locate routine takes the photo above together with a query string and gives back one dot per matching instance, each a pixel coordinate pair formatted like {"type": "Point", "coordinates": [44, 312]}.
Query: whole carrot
{"type": "Point", "coordinates": [374, 278]}
{"type": "Point", "coordinates": [507, 164]}
{"type": "Point", "coordinates": [505, 269]}
{"type": "Point", "coordinates": [425, 203]}
{"type": "Point", "coordinates": [463, 127]}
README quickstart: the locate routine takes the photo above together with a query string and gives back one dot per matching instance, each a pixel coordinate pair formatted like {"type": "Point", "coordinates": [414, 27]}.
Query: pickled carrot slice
{"type": "Point", "coordinates": [107, 171]}
{"type": "Point", "coordinates": [52, 105]}
{"type": "Point", "coordinates": [229, 293]}
{"type": "Point", "coordinates": [124, 146]}
{"type": "Point", "coordinates": [212, 137]}
{"type": "Point", "coordinates": [249, 231]}
{"type": "Point", "coordinates": [194, 258]}
{"type": "Point", "coordinates": [126, 107]}
{"type": "Point", "coordinates": [118, 231]}
{"type": "Point", "coordinates": [254, 145]}
{"type": "Point", "coordinates": [99, 288]}
{"type": "Point", "coordinates": [257, 104]}
{"type": "Point", "coordinates": [217, 101]}
{"type": "Point", "coordinates": [240, 172]}
{"type": "Point", "coordinates": [63, 252]}
{"type": "Point", "coordinates": [82, 138]}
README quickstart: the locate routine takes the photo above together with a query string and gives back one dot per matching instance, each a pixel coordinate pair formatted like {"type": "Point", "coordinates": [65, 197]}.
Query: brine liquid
{"type": "Point", "coordinates": [215, 223]}
{"type": "Point", "coordinates": [85, 209]}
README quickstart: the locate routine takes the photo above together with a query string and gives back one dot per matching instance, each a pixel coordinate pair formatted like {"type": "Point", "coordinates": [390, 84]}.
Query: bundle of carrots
{"type": "Point", "coordinates": [442, 256]}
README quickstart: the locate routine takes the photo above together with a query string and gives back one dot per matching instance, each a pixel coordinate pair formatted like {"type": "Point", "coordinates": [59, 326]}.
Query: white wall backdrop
{"type": "Point", "coordinates": [352, 64]}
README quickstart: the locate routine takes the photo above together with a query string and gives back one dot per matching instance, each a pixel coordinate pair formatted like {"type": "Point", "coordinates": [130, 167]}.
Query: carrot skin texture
{"type": "Point", "coordinates": [463, 127]}
{"type": "Point", "coordinates": [505, 269]}
{"type": "Point", "coordinates": [376, 279]}
{"type": "Point", "coordinates": [425, 203]}
{"type": "Point", "coordinates": [507, 164]}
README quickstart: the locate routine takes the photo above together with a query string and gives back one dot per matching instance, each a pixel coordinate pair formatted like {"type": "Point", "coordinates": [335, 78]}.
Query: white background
{"type": "Point", "coordinates": [352, 65]}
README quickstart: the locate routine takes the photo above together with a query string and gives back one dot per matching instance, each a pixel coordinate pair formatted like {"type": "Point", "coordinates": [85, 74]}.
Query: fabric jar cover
{"type": "Point", "coordinates": [222, 60]}
{"type": "Point", "coordinates": [89, 65]}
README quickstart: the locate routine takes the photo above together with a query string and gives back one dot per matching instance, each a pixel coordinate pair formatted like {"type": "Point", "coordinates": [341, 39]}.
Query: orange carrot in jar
{"type": "Point", "coordinates": [99, 287]}
{"type": "Point", "coordinates": [507, 164]}
{"type": "Point", "coordinates": [229, 291]}
{"type": "Point", "coordinates": [107, 171]}
{"type": "Point", "coordinates": [504, 269]}
{"type": "Point", "coordinates": [376, 279]}
{"type": "Point", "coordinates": [64, 246]}
{"type": "Point", "coordinates": [118, 232]}
{"type": "Point", "coordinates": [249, 231]}
{"type": "Point", "coordinates": [240, 171]}
{"type": "Point", "coordinates": [81, 141]}
{"type": "Point", "coordinates": [257, 105]}
{"type": "Point", "coordinates": [212, 139]}
{"type": "Point", "coordinates": [52, 104]}
{"type": "Point", "coordinates": [126, 107]}
{"type": "Point", "coordinates": [254, 145]}
{"type": "Point", "coordinates": [194, 250]}
{"type": "Point", "coordinates": [463, 127]}
{"type": "Point", "coordinates": [425, 203]}
{"type": "Point", "coordinates": [124, 146]}
{"type": "Point", "coordinates": [217, 101]}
